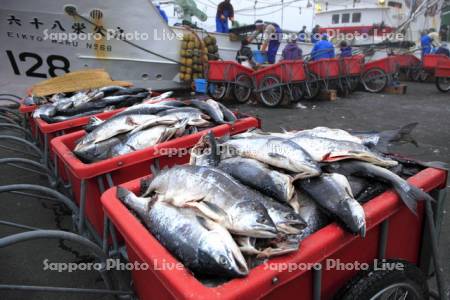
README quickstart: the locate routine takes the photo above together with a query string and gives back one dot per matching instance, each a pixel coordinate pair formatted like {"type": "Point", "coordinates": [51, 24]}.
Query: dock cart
{"type": "Point", "coordinates": [442, 74]}
{"type": "Point", "coordinates": [350, 69]}
{"type": "Point", "coordinates": [225, 77]}
{"type": "Point", "coordinates": [324, 266]}
{"type": "Point", "coordinates": [328, 73]}
{"type": "Point", "coordinates": [274, 81]}
{"type": "Point", "coordinates": [380, 73]}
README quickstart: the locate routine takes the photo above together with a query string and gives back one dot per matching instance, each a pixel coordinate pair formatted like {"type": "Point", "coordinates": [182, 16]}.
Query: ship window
{"type": "Point", "coordinates": [335, 19]}
{"type": "Point", "coordinates": [356, 17]}
{"type": "Point", "coordinates": [345, 18]}
{"type": "Point", "coordinates": [395, 4]}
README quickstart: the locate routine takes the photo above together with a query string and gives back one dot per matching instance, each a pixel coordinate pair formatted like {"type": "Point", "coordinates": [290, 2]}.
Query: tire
{"type": "Point", "coordinates": [443, 84]}
{"type": "Point", "coordinates": [375, 284]}
{"type": "Point", "coordinates": [217, 90]}
{"type": "Point", "coordinates": [375, 80]}
{"type": "Point", "coordinates": [271, 97]}
{"type": "Point", "coordinates": [242, 91]}
{"type": "Point", "coordinates": [313, 86]}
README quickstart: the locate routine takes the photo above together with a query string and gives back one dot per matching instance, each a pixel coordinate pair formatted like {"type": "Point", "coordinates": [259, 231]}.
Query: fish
{"type": "Point", "coordinates": [227, 114]}
{"type": "Point", "coordinates": [286, 220]}
{"type": "Point", "coordinates": [92, 152]}
{"type": "Point", "coordinates": [329, 150]}
{"type": "Point", "coordinates": [146, 138]}
{"type": "Point", "coordinates": [205, 152]}
{"type": "Point", "coordinates": [259, 176]}
{"type": "Point", "coordinates": [131, 91]}
{"type": "Point", "coordinates": [333, 194]}
{"type": "Point", "coordinates": [311, 213]}
{"type": "Point", "coordinates": [217, 196]}
{"type": "Point", "coordinates": [144, 109]}
{"type": "Point", "coordinates": [276, 152]}
{"type": "Point", "coordinates": [34, 100]}
{"type": "Point", "coordinates": [160, 97]}
{"type": "Point", "coordinates": [213, 111]}
{"type": "Point", "coordinates": [194, 116]}
{"type": "Point", "coordinates": [409, 193]}
{"type": "Point", "coordinates": [203, 246]}
{"type": "Point", "coordinates": [116, 125]}
{"type": "Point", "coordinates": [48, 110]}
{"type": "Point", "coordinates": [57, 119]}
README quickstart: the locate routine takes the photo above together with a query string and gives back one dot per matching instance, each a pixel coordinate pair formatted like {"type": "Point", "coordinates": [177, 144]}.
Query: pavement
{"type": "Point", "coordinates": [24, 263]}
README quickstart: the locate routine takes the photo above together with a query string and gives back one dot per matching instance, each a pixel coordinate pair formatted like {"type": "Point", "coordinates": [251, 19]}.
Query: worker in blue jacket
{"type": "Point", "coordinates": [425, 42]}
{"type": "Point", "coordinates": [323, 49]}
{"type": "Point", "coordinates": [225, 12]}
{"type": "Point", "coordinates": [346, 50]}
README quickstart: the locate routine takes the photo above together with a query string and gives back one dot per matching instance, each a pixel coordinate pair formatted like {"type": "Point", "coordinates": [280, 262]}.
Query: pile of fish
{"type": "Point", "coordinates": [257, 194]}
{"type": "Point", "coordinates": [147, 124]}
{"type": "Point", "coordinates": [62, 107]}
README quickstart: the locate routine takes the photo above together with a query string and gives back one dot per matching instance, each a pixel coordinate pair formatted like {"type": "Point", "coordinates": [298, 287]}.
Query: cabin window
{"type": "Point", "coordinates": [335, 19]}
{"type": "Point", "coordinates": [395, 4]}
{"type": "Point", "coordinates": [345, 18]}
{"type": "Point", "coordinates": [356, 17]}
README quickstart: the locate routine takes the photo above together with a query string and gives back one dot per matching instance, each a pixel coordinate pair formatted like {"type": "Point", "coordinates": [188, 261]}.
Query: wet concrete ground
{"type": "Point", "coordinates": [23, 263]}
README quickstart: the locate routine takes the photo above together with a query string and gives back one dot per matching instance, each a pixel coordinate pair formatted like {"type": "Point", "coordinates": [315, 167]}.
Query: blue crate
{"type": "Point", "coordinates": [259, 57]}
{"type": "Point", "coordinates": [200, 85]}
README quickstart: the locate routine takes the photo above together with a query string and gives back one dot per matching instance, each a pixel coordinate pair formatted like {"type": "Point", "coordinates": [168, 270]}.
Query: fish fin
{"type": "Point", "coordinates": [209, 210]}
{"type": "Point", "coordinates": [401, 135]}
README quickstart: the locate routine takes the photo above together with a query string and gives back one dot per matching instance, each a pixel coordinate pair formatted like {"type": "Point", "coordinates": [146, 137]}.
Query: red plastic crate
{"type": "Point", "coordinates": [325, 68]}
{"type": "Point", "coordinates": [387, 64]}
{"type": "Point", "coordinates": [431, 61]}
{"type": "Point", "coordinates": [331, 242]}
{"type": "Point", "coordinates": [126, 167]}
{"type": "Point", "coordinates": [286, 71]}
{"type": "Point", "coordinates": [226, 70]}
{"type": "Point", "coordinates": [352, 66]}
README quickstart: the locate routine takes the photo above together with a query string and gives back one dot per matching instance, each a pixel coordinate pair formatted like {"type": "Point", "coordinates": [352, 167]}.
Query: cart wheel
{"type": "Point", "coordinates": [443, 84]}
{"type": "Point", "coordinates": [273, 91]}
{"type": "Point", "coordinates": [375, 80]}
{"type": "Point", "coordinates": [217, 90]}
{"type": "Point", "coordinates": [243, 90]}
{"type": "Point", "coordinates": [312, 88]}
{"type": "Point", "coordinates": [405, 282]}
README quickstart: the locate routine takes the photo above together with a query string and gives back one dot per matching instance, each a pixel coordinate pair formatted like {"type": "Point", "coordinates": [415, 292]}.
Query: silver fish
{"type": "Point", "coordinates": [259, 176]}
{"type": "Point", "coordinates": [48, 110]}
{"type": "Point", "coordinates": [203, 246]}
{"type": "Point", "coordinates": [311, 213]}
{"type": "Point", "coordinates": [332, 192]}
{"type": "Point", "coordinates": [407, 192]}
{"type": "Point", "coordinates": [216, 195]}
{"type": "Point", "coordinates": [276, 152]}
{"type": "Point", "coordinates": [205, 152]}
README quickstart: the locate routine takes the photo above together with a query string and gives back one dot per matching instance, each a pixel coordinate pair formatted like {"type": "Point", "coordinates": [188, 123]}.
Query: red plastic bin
{"type": "Point", "coordinates": [407, 60]}
{"type": "Point", "coordinates": [388, 64]}
{"type": "Point", "coordinates": [352, 66]}
{"type": "Point", "coordinates": [325, 68]}
{"type": "Point", "coordinates": [286, 71]}
{"type": "Point", "coordinates": [432, 61]}
{"type": "Point", "coordinates": [331, 243]}
{"type": "Point", "coordinates": [89, 180]}
{"type": "Point", "coordinates": [226, 70]}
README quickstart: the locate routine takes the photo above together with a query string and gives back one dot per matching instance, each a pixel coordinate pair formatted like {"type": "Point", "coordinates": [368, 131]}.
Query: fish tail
{"type": "Point", "coordinates": [410, 194]}
{"type": "Point", "coordinates": [401, 135]}
{"type": "Point", "coordinates": [122, 194]}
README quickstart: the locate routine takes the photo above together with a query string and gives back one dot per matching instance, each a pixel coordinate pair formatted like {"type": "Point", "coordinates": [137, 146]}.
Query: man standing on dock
{"type": "Point", "coordinates": [272, 35]}
{"type": "Point", "coordinates": [225, 11]}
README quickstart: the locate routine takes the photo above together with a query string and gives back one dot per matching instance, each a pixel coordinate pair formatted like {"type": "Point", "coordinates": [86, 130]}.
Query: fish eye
{"type": "Point", "coordinates": [223, 260]}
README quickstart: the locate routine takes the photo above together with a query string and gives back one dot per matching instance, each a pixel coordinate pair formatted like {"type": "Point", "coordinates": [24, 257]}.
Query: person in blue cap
{"type": "Point", "coordinates": [425, 43]}
{"type": "Point", "coordinates": [272, 35]}
{"type": "Point", "coordinates": [443, 50]}
{"type": "Point", "coordinates": [323, 49]}
{"type": "Point", "coordinates": [225, 12]}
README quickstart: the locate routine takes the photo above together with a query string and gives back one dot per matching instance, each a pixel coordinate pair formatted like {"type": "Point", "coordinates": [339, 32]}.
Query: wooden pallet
{"type": "Point", "coordinates": [328, 95]}
{"type": "Point", "coordinates": [399, 89]}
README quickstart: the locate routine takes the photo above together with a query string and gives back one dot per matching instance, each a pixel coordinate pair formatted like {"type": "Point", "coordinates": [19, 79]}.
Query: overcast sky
{"type": "Point", "coordinates": [295, 12]}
